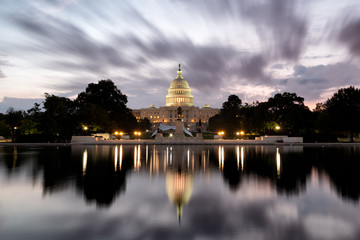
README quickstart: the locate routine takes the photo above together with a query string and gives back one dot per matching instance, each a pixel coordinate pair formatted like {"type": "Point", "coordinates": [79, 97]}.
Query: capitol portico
{"type": "Point", "coordinates": [179, 95]}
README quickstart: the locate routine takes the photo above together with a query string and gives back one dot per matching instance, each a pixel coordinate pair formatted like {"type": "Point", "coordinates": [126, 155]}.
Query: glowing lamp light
{"type": "Point", "coordinates": [121, 133]}
{"type": "Point", "coordinates": [237, 133]}
{"type": "Point", "coordinates": [277, 127]}
{"type": "Point", "coordinates": [242, 133]}
{"type": "Point", "coordinates": [116, 133]}
{"type": "Point", "coordinates": [86, 128]}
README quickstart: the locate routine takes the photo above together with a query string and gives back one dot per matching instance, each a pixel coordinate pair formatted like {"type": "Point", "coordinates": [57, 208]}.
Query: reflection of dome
{"type": "Point", "coordinates": [179, 93]}
{"type": "Point", "coordinates": [179, 188]}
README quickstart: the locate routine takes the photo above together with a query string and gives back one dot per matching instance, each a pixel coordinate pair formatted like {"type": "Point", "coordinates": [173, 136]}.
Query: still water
{"type": "Point", "coordinates": [179, 192]}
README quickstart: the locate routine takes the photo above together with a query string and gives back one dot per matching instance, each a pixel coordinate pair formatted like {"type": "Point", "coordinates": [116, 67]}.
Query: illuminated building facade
{"type": "Point", "coordinates": [179, 95]}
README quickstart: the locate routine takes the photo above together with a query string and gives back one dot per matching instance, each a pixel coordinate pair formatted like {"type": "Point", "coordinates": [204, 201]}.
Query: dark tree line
{"type": "Point", "coordinates": [100, 108]}
{"type": "Point", "coordinates": [285, 113]}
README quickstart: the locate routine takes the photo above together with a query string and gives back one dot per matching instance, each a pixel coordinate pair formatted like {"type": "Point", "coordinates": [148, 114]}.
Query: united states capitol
{"type": "Point", "coordinates": [179, 95]}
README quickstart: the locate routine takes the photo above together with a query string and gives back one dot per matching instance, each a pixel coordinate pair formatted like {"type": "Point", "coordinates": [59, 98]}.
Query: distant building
{"type": "Point", "coordinates": [179, 95]}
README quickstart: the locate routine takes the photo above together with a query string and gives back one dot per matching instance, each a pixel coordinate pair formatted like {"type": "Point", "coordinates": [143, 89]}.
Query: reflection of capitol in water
{"type": "Point", "coordinates": [179, 185]}
{"type": "Point", "coordinates": [179, 163]}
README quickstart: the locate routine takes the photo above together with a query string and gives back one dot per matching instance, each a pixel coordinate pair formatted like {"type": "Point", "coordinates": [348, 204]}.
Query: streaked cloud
{"type": "Point", "coordinates": [224, 46]}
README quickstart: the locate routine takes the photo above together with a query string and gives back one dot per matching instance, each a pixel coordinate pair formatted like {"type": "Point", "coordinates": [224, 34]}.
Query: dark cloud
{"type": "Point", "coordinates": [253, 67]}
{"type": "Point", "coordinates": [281, 26]}
{"type": "Point", "coordinates": [350, 36]}
{"type": "Point", "coordinates": [282, 23]}
{"type": "Point", "coordinates": [311, 82]}
{"type": "Point", "coordinates": [78, 48]}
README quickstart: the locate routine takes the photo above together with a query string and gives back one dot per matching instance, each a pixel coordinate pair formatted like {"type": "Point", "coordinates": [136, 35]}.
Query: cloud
{"type": "Point", "coordinates": [76, 48]}
{"type": "Point", "coordinates": [312, 82]}
{"type": "Point", "coordinates": [2, 63]}
{"type": "Point", "coordinates": [18, 103]}
{"type": "Point", "coordinates": [349, 35]}
{"type": "Point", "coordinates": [282, 22]}
{"type": "Point", "coordinates": [139, 49]}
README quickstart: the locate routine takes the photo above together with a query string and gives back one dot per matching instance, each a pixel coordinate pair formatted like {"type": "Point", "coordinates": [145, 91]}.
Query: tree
{"type": "Point", "coordinates": [60, 117]}
{"type": "Point", "coordinates": [232, 105]}
{"type": "Point", "coordinates": [4, 129]}
{"type": "Point", "coordinates": [288, 110]}
{"type": "Point", "coordinates": [14, 119]}
{"type": "Point", "coordinates": [105, 95]}
{"type": "Point", "coordinates": [32, 119]}
{"type": "Point", "coordinates": [228, 119]}
{"type": "Point", "coordinates": [144, 124]}
{"type": "Point", "coordinates": [344, 110]}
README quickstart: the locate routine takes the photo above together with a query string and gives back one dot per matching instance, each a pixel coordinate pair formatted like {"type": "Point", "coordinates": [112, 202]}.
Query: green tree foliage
{"type": "Point", "coordinates": [103, 107]}
{"type": "Point", "coordinates": [343, 108]}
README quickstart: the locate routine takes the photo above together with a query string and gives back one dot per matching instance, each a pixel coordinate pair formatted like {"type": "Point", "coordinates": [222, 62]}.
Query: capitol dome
{"type": "Point", "coordinates": [179, 93]}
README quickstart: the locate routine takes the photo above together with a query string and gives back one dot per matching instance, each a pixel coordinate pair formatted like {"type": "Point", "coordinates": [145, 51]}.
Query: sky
{"type": "Point", "coordinates": [251, 48]}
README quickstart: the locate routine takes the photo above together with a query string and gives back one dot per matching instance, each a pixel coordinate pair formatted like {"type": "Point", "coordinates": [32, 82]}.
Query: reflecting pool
{"type": "Point", "coordinates": [179, 192]}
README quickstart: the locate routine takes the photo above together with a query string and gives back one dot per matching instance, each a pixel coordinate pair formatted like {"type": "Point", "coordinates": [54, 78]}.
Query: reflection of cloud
{"type": "Point", "coordinates": [327, 227]}
{"type": "Point", "coordinates": [283, 212]}
{"type": "Point", "coordinates": [255, 189]}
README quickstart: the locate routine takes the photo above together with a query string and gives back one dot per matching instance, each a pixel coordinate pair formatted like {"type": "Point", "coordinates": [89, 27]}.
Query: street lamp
{"type": "Point", "coordinates": [136, 133]}
{"type": "Point", "coordinates": [242, 133]}
{"type": "Point", "coordinates": [277, 127]}
{"type": "Point", "coordinates": [221, 133]}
